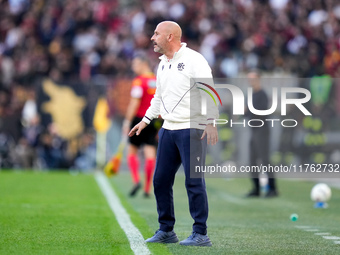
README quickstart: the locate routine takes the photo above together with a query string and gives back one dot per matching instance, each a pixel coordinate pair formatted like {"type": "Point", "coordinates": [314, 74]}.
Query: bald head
{"type": "Point", "coordinates": [172, 28]}
{"type": "Point", "coordinates": [167, 38]}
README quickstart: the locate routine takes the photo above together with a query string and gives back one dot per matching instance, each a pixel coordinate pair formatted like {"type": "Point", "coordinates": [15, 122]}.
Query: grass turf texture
{"type": "Point", "coordinates": [57, 213]}
{"type": "Point", "coordinates": [238, 225]}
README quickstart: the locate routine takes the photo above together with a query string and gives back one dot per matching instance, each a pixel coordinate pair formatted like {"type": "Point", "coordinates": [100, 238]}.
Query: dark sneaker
{"type": "Point", "coordinates": [271, 193]}
{"type": "Point", "coordinates": [135, 189]}
{"type": "Point", "coordinates": [253, 193]}
{"type": "Point", "coordinates": [163, 237]}
{"type": "Point", "coordinates": [197, 239]}
{"type": "Point", "coordinates": [146, 195]}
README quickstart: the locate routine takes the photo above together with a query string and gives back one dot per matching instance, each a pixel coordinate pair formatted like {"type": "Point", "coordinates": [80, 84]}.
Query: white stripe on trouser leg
{"type": "Point", "coordinates": [135, 238]}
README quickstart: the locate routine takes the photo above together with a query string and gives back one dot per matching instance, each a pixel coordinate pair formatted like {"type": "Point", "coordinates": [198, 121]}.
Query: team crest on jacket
{"type": "Point", "coordinates": [180, 66]}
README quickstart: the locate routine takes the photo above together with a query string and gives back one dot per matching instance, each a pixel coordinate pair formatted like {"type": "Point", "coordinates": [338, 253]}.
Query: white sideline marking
{"type": "Point", "coordinates": [322, 234]}
{"type": "Point", "coordinates": [331, 237]}
{"type": "Point", "coordinates": [233, 199]}
{"type": "Point", "coordinates": [135, 238]}
{"type": "Point", "coordinates": [303, 227]}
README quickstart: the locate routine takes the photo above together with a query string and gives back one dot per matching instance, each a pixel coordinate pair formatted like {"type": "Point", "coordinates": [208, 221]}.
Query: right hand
{"type": "Point", "coordinates": [137, 129]}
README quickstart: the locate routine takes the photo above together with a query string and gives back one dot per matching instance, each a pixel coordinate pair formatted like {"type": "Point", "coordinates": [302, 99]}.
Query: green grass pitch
{"type": "Point", "coordinates": [59, 213]}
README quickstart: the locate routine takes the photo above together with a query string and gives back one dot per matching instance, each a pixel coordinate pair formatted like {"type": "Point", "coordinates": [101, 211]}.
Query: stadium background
{"type": "Point", "coordinates": [58, 58]}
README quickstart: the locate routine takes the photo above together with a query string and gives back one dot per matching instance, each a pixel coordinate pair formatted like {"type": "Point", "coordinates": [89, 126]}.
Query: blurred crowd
{"type": "Point", "coordinates": [80, 39]}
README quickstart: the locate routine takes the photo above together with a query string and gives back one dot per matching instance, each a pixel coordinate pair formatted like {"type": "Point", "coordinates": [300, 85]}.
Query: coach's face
{"type": "Point", "coordinates": [160, 39]}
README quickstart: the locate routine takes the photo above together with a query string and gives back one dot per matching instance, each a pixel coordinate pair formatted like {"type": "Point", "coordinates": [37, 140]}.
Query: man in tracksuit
{"type": "Point", "coordinates": [184, 135]}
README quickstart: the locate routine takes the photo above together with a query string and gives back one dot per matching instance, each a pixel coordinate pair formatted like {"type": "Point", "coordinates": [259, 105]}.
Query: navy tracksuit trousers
{"type": "Point", "coordinates": [175, 147]}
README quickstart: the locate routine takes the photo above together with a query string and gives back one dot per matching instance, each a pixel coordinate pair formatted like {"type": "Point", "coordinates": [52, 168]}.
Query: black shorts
{"type": "Point", "coordinates": [148, 134]}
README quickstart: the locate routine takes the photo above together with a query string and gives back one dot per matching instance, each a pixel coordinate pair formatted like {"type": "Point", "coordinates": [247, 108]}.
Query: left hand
{"type": "Point", "coordinates": [211, 132]}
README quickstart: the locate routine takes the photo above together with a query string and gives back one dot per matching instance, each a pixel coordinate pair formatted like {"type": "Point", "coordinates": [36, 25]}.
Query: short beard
{"type": "Point", "coordinates": [159, 50]}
